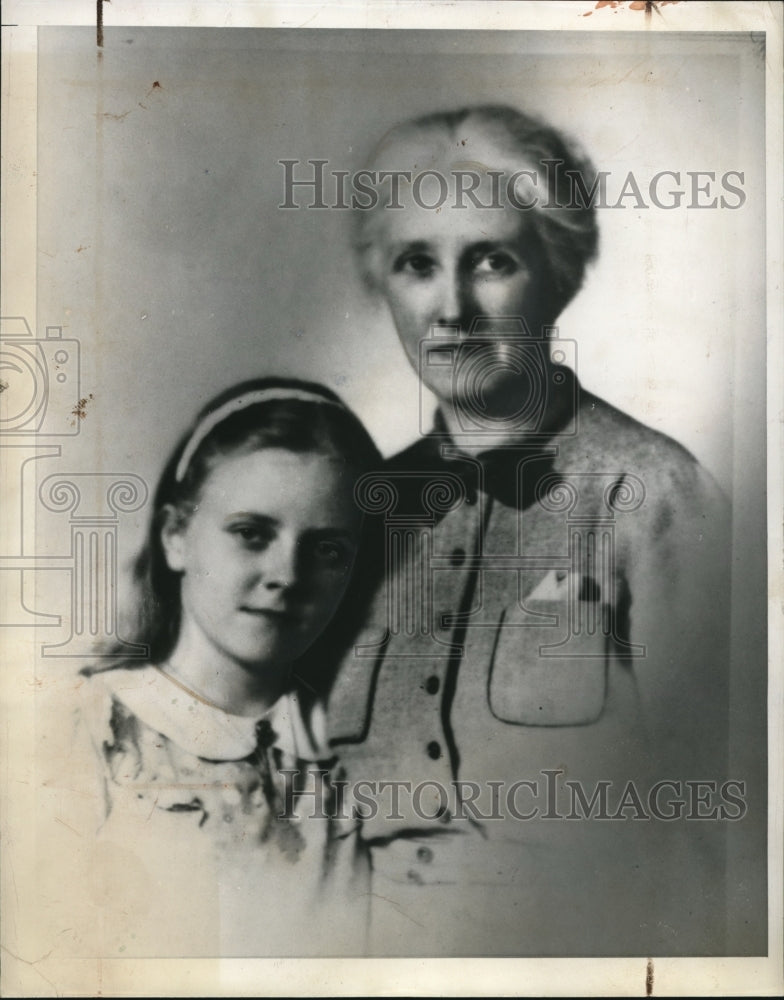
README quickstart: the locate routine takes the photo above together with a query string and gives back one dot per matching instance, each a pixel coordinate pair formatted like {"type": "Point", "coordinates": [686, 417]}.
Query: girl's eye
{"type": "Point", "coordinates": [497, 262]}
{"type": "Point", "coordinates": [421, 265]}
{"type": "Point", "coordinates": [330, 554]}
{"type": "Point", "coordinates": [251, 536]}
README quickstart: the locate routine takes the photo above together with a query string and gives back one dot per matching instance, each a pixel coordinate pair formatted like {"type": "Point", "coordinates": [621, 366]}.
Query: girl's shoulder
{"type": "Point", "coordinates": [129, 702]}
{"type": "Point", "coordinates": [121, 700]}
{"type": "Point", "coordinates": [102, 696]}
{"type": "Point", "coordinates": [86, 725]}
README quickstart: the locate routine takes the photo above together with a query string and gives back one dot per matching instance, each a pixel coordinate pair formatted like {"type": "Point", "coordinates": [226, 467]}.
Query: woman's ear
{"type": "Point", "coordinates": [173, 537]}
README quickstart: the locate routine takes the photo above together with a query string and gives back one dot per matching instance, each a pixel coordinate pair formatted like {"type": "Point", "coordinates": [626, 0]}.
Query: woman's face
{"type": "Point", "coordinates": [266, 555]}
{"type": "Point", "coordinates": [471, 271]}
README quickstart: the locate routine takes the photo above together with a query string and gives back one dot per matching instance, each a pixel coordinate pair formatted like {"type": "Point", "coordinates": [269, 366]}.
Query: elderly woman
{"type": "Point", "coordinates": [537, 705]}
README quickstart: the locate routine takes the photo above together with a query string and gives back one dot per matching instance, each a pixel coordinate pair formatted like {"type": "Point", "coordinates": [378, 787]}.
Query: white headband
{"type": "Point", "coordinates": [216, 417]}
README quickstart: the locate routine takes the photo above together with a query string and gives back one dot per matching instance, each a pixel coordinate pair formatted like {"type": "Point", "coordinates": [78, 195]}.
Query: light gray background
{"type": "Point", "coordinates": [161, 244]}
{"type": "Point", "coordinates": [161, 247]}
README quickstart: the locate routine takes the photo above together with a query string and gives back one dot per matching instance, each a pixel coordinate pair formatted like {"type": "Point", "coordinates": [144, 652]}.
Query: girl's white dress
{"type": "Point", "coordinates": [201, 833]}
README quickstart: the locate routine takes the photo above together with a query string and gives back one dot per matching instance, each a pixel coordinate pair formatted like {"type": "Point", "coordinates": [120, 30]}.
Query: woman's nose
{"type": "Point", "coordinates": [452, 298]}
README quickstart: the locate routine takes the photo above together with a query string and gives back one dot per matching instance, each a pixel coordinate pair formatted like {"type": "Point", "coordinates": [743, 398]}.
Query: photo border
{"type": "Point", "coordinates": [31, 974]}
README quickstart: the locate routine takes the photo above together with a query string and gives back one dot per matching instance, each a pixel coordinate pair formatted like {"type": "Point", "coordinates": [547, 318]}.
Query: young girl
{"type": "Point", "coordinates": [217, 820]}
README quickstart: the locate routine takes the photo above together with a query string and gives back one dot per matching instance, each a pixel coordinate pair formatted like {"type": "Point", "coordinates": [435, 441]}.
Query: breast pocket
{"type": "Point", "coordinates": [549, 661]}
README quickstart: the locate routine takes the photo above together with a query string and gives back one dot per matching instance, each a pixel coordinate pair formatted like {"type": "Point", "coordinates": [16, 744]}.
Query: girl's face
{"type": "Point", "coordinates": [266, 555]}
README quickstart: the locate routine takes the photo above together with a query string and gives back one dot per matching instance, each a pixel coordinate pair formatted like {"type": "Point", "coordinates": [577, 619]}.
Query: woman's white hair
{"type": "Point", "coordinates": [498, 138]}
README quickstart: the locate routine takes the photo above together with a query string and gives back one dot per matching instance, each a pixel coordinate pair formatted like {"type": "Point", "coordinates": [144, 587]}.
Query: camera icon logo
{"type": "Point", "coordinates": [39, 380]}
{"type": "Point", "coordinates": [501, 378]}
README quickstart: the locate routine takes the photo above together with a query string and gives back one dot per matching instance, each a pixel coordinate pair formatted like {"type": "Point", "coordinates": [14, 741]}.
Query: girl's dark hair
{"type": "Point", "coordinates": [322, 425]}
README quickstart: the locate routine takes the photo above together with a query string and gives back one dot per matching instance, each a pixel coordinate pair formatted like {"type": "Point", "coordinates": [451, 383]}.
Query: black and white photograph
{"type": "Point", "coordinates": [391, 479]}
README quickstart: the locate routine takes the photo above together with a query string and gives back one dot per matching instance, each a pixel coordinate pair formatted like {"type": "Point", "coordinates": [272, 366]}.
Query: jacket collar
{"type": "Point", "coordinates": [509, 473]}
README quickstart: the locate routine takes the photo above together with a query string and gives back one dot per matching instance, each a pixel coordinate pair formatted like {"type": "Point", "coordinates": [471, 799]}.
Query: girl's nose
{"type": "Point", "coordinates": [279, 565]}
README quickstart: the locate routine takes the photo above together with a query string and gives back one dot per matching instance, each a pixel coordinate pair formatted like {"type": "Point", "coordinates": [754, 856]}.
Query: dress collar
{"type": "Point", "coordinates": [206, 730]}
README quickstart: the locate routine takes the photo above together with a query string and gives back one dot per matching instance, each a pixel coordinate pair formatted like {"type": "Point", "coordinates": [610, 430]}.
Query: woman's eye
{"type": "Point", "coordinates": [495, 263]}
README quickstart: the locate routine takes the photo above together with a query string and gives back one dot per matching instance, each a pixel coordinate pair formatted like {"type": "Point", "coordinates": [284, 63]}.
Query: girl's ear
{"type": "Point", "coordinates": [173, 537]}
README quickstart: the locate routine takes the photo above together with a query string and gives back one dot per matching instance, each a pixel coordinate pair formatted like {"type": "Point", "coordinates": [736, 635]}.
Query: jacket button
{"type": "Point", "coordinates": [434, 750]}
{"type": "Point", "coordinates": [432, 684]}
{"type": "Point", "coordinates": [424, 854]}
{"type": "Point", "coordinates": [457, 558]}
